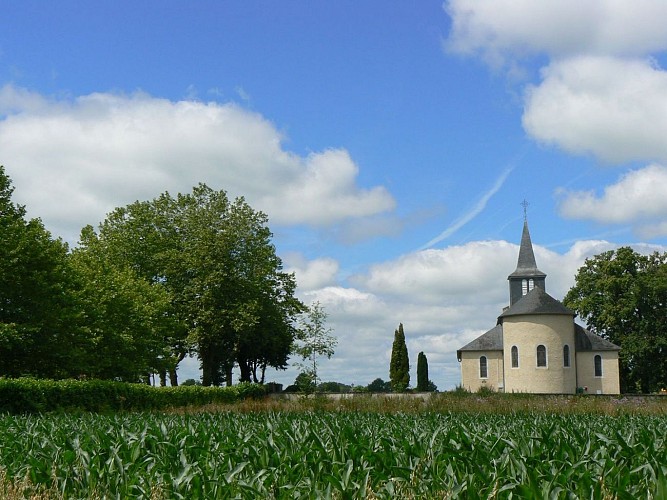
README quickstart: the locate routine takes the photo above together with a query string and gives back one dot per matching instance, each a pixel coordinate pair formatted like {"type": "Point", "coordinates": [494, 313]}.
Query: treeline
{"type": "Point", "coordinates": [158, 280]}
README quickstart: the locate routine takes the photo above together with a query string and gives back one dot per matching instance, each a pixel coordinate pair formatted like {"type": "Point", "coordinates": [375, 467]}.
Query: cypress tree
{"type": "Point", "coordinates": [422, 373]}
{"type": "Point", "coordinates": [399, 369]}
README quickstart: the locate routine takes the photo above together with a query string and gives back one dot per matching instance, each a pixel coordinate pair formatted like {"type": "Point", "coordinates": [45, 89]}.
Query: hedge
{"type": "Point", "coordinates": [27, 395]}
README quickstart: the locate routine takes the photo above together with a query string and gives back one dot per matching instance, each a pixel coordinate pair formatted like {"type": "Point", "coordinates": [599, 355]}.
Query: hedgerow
{"type": "Point", "coordinates": [26, 395]}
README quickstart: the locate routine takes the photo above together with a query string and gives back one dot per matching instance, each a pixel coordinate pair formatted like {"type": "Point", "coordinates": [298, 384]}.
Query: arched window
{"type": "Point", "coordinates": [531, 284]}
{"type": "Point", "coordinates": [541, 355]}
{"type": "Point", "coordinates": [524, 287]}
{"type": "Point", "coordinates": [566, 356]}
{"type": "Point", "coordinates": [515, 357]}
{"type": "Point", "coordinates": [598, 365]}
{"type": "Point", "coordinates": [483, 368]}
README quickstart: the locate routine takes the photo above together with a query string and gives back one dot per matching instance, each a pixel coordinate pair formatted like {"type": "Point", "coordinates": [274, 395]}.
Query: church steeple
{"type": "Point", "coordinates": [526, 276]}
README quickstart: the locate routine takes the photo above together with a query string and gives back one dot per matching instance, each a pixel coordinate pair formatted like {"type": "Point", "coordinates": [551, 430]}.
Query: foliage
{"type": "Point", "coordinates": [337, 455]}
{"type": "Point", "coordinates": [399, 368]}
{"type": "Point", "coordinates": [25, 395]}
{"type": "Point", "coordinates": [379, 385]}
{"type": "Point", "coordinates": [126, 319]}
{"type": "Point", "coordinates": [422, 373]}
{"type": "Point", "coordinates": [38, 327]}
{"type": "Point", "coordinates": [305, 382]}
{"type": "Point", "coordinates": [314, 339]}
{"type": "Point", "coordinates": [212, 260]}
{"type": "Point", "coordinates": [622, 296]}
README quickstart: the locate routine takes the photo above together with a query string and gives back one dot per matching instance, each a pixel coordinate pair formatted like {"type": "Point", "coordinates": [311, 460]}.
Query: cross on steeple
{"type": "Point", "coordinates": [525, 204]}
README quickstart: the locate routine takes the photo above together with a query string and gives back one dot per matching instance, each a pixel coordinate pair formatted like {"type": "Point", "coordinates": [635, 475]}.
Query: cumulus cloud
{"type": "Point", "coordinates": [450, 275]}
{"type": "Point", "coordinates": [503, 30]}
{"type": "Point", "coordinates": [444, 298]}
{"type": "Point", "coordinates": [311, 274]}
{"type": "Point", "coordinates": [638, 197]}
{"type": "Point", "coordinates": [73, 160]}
{"type": "Point", "coordinates": [615, 109]}
{"type": "Point", "coordinates": [600, 91]}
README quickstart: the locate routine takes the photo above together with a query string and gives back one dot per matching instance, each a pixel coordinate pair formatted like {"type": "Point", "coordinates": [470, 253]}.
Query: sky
{"type": "Point", "coordinates": [390, 143]}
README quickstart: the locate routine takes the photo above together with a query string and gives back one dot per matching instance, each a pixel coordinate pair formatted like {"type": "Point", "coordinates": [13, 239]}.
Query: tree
{"type": "Point", "coordinates": [314, 339]}
{"type": "Point", "coordinates": [125, 321]}
{"type": "Point", "coordinates": [229, 300]}
{"type": "Point", "coordinates": [38, 328]}
{"type": "Point", "coordinates": [379, 385]}
{"type": "Point", "coordinates": [422, 373]}
{"type": "Point", "coordinates": [399, 369]}
{"type": "Point", "coordinates": [622, 296]}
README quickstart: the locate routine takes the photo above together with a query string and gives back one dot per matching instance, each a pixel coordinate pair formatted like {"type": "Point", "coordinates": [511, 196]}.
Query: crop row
{"type": "Point", "coordinates": [337, 455]}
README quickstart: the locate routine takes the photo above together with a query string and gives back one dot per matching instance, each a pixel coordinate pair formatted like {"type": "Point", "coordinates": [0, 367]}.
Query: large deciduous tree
{"type": "Point", "coordinates": [399, 368]}
{"type": "Point", "coordinates": [125, 318]}
{"type": "Point", "coordinates": [622, 296]}
{"type": "Point", "coordinates": [38, 334]}
{"type": "Point", "coordinates": [229, 300]}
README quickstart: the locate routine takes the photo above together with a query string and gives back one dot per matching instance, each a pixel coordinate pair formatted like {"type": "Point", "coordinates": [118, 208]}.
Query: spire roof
{"type": "Point", "coordinates": [526, 266]}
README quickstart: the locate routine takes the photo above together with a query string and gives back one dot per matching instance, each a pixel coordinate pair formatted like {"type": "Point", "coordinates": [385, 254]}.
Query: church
{"type": "Point", "coordinates": [536, 346]}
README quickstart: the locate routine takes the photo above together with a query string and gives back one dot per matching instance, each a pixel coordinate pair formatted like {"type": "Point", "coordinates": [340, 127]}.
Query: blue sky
{"type": "Point", "coordinates": [390, 143]}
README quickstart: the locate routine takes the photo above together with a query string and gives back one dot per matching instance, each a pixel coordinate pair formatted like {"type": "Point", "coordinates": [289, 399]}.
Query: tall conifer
{"type": "Point", "coordinates": [399, 369]}
{"type": "Point", "coordinates": [422, 373]}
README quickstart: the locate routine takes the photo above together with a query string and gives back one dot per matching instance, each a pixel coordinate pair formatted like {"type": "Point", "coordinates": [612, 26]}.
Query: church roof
{"type": "Point", "coordinates": [585, 340]}
{"type": "Point", "coordinates": [526, 265]}
{"type": "Point", "coordinates": [489, 341]}
{"type": "Point", "coordinates": [537, 301]}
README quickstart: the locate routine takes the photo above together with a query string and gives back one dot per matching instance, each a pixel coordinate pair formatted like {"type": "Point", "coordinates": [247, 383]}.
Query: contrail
{"type": "Point", "coordinates": [474, 212]}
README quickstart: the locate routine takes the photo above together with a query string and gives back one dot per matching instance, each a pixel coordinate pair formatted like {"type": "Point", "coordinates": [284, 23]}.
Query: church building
{"type": "Point", "coordinates": [536, 346]}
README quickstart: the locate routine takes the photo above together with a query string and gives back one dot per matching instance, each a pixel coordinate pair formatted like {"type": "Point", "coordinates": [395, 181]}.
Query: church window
{"type": "Point", "coordinates": [598, 365]}
{"type": "Point", "coordinates": [483, 368]}
{"type": "Point", "coordinates": [541, 356]}
{"type": "Point", "coordinates": [515, 357]}
{"type": "Point", "coordinates": [524, 287]}
{"type": "Point", "coordinates": [566, 356]}
{"type": "Point", "coordinates": [531, 284]}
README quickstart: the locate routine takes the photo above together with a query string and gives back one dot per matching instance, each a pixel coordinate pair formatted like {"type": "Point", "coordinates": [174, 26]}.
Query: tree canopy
{"type": "Point", "coordinates": [622, 296]}
{"type": "Point", "coordinates": [159, 279]}
{"type": "Point", "coordinates": [230, 303]}
{"type": "Point", "coordinates": [37, 310]}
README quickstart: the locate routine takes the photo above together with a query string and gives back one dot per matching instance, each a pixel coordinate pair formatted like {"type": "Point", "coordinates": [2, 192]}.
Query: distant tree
{"type": "Point", "coordinates": [422, 373]}
{"type": "Point", "coordinates": [333, 387]}
{"type": "Point", "coordinates": [314, 339]}
{"type": "Point", "coordinates": [379, 385]}
{"type": "Point", "coordinates": [305, 383]}
{"type": "Point", "coordinates": [399, 369]}
{"type": "Point", "coordinates": [622, 296]}
{"type": "Point", "coordinates": [191, 382]}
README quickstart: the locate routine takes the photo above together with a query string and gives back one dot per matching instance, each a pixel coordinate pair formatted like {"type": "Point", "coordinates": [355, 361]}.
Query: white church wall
{"type": "Point", "coordinates": [527, 333]}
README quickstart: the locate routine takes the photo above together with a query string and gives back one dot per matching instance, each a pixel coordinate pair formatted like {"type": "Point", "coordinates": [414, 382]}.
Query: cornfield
{"type": "Point", "coordinates": [328, 454]}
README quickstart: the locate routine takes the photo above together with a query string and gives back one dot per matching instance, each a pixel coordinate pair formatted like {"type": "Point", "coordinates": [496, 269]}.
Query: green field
{"type": "Point", "coordinates": [319, 449]}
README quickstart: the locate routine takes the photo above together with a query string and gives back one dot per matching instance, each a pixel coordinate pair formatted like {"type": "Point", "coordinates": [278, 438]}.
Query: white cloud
{"type": "Point", "coordinates": [444, 298]}
{"type": "Point", "coordinates": [638, 195]}
{"type": "Point", "coordinates": [454, 274]}
{"type": "Point", "coordinates": [74, 160]}
{"type": "Point", "coordinates": [311, 274]}
{"type": "Point", "coordinates": [615, 109]}
{"type": "Point", "coordinates": [503, 30]}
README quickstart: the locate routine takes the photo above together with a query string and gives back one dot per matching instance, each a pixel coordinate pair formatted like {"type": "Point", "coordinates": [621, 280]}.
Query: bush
{"type": "Point", "coordinates": [26, 395]}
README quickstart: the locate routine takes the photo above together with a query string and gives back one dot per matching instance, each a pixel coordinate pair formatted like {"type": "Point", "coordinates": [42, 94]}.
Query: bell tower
{"type": "Point", "coordinates": [526, 276]}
